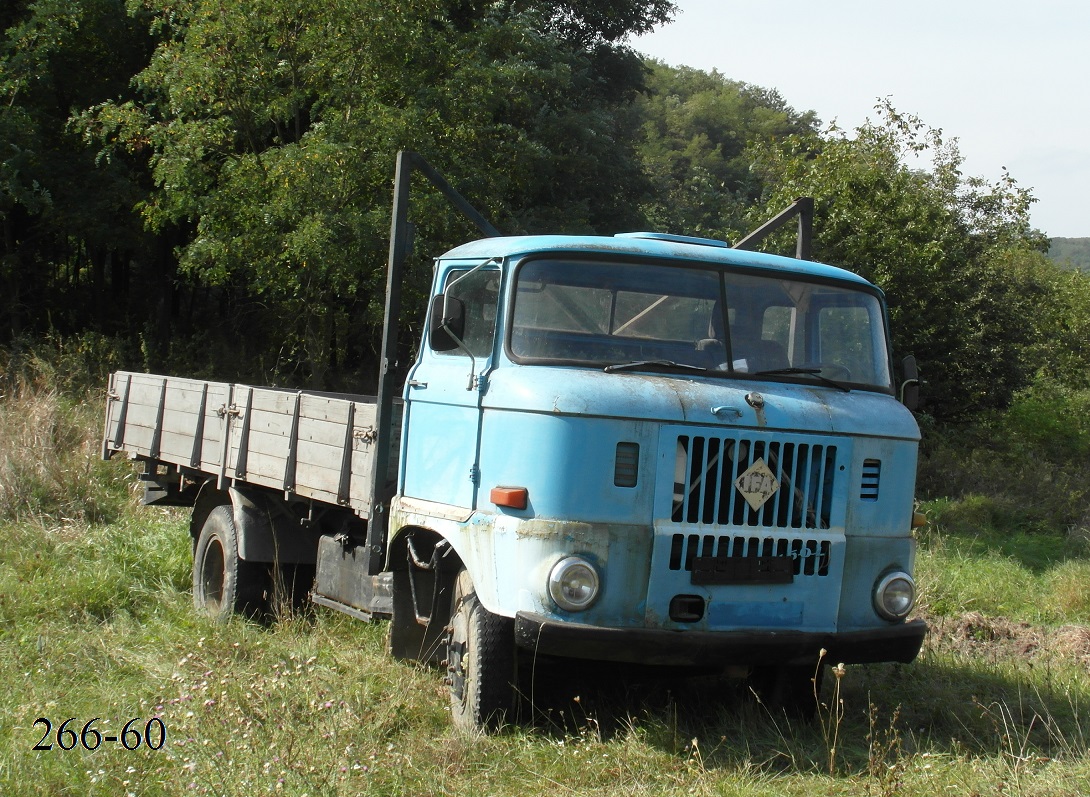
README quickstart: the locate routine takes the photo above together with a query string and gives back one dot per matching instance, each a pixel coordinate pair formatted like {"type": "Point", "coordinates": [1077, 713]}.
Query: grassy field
{"type": "Point", "coordinates": [96, 624]}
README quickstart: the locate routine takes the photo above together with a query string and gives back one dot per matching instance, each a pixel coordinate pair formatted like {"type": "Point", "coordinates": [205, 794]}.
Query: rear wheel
{"type": "Point", "coordinates": [224, 584]}
{"type": "Point", "coordinates": [480, 661]}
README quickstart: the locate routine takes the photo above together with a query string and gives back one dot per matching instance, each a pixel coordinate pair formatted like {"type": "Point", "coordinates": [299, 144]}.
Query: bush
{"type": "Point", "coordinates": [74, 366]}
{"type": "Point", "coordinates": [50, 428]}
{"type": "Point", "coordinates": [1031, 462]}
{"type": "Point", "coordinates": [1052, 420]}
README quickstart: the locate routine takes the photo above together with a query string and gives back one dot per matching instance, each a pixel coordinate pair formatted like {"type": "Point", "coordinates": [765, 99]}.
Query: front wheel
{"type": "Point", "coordinates": [789, 689]}
{"type": "Point", "coordinates": [480, 661]}
{"type": "Point", "coordinates": [224, 584]}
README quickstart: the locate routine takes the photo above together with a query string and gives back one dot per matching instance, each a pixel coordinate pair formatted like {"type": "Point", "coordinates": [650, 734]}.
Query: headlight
{"type": "Point", "coordinates": [894, 595]}
{"type": "Point", "coordinates": [573, 583]}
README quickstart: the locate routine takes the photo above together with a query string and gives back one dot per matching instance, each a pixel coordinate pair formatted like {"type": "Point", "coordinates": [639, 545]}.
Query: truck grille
{"type": "Point", "coordinates": [810, 557]}
{"type": "Point", "coordinates": [707, 469]}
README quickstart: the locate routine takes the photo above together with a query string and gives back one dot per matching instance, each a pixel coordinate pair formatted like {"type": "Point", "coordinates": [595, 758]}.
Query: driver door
{"type": "Point", "coordinates": [444, 391]}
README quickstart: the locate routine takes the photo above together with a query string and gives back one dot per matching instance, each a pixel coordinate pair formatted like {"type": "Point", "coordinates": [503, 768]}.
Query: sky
{"type": "Point", "coordinates": [1008, 80]}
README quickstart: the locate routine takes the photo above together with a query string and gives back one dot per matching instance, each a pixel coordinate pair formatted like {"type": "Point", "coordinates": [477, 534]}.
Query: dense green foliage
{"type": "Point", "coordinates": [696, 128]}
{"type": "Point", "coordinates": [67, 222]}
{"type": "Point", "coordinates": [217, 196]}
{"type": "Point", "coordinates": [1071, 252]}
{"type": "Point", "coordinates": [259, 139]}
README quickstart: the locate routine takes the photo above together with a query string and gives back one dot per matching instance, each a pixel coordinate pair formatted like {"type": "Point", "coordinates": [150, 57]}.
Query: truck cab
{"type": "Point", "coordinates": [655, 449]}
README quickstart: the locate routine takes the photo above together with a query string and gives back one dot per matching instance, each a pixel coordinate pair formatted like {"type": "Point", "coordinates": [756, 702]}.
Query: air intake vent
{"type": "Point", "coordinates": [626, 467]}
{"type": "Point", "coordinates": [805, 557]}
{"type": "Point", "coordinates": [872, 475]}
{"type": "Point", "coordinates": [798, 479]}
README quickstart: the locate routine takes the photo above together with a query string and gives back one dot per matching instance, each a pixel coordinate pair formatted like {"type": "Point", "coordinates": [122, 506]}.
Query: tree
{"type": "Point", "coordinates": [272, 126]}
{"type": "Point", "coordinates": [1060, 354]}
{"type": "Point", "coordinates": [64, 221]}
{"type": "Point", "coordinates": [696, 127]}
{"type": "Point", "coordinates": [937, 243]}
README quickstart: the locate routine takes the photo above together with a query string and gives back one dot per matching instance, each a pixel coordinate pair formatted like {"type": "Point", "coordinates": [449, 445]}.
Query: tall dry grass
{"type": "Point", "coordinates": [51, 400]}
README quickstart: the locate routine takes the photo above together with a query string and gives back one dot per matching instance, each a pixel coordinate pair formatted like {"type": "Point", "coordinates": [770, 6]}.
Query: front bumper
{"type": "Point", "coordinates": [898, 643]}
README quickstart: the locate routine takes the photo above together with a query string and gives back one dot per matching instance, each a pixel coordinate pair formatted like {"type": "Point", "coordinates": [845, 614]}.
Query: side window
{"type": "Point", "coordinates": [479, 291]}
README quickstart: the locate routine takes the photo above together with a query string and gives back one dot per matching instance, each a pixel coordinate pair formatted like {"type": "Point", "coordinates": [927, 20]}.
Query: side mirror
{"type": "Point", "coordinates": [910, 386]}
{"type": "Point", "coordinates": [448, 323]}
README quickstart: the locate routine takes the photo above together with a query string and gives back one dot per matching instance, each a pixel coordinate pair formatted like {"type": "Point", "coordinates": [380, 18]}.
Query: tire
{"type": "Point", "coordinates": [790, 689]}
{"type": "Point", "coordinates": [480, 661]}
{"type": "Point", "coordinates": [223, 584]}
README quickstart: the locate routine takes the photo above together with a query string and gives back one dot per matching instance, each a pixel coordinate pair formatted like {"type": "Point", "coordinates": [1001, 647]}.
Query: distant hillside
{"type": "Point", "coordinates": [1071, 251]}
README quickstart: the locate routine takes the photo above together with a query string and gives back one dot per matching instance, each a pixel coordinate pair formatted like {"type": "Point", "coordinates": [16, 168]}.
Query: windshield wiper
{"type": "Point", "coordinates": [653, 365]}
{"type": "Point", "coordinates": [815, 372]}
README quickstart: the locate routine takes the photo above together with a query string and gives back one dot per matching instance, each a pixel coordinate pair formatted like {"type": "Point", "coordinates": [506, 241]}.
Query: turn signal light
{"type": "Point", "coordinates": [511, 497]}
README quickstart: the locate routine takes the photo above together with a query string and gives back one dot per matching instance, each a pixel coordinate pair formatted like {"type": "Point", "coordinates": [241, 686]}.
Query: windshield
{"type": "Point", "coordinates": [622, 316]}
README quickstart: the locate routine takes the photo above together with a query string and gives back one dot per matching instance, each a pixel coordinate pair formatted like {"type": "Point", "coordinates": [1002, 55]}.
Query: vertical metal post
{"type": "Point", "coordinates": [378, 521]}
{"type": "Point", "coordinates": [197, 454]}
{"type": "Point", "coordinates": [226, 413]}
{"type": "Point", "coordinates": [805, 207]}
{"type": "Point", "coordinates": [344, 485]}
{"type": "Point", "coordinates": [291, 463]}
{"type": "Point", "coordinates": [154, 449]}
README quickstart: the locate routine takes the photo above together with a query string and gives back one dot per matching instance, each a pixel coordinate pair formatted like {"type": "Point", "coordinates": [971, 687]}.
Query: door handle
{"type": "Point", "coordinates": [726, 412]}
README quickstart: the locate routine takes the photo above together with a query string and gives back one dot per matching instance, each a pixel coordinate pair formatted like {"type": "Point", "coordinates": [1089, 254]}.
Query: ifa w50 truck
{"type": "Point", "coordinates": [643, 448]}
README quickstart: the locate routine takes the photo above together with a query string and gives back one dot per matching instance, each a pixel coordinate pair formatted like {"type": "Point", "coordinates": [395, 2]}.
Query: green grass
{"type": "Point", "coordinates": [96, 623]}
{"type": "Point", "coordinates": [970, 560]}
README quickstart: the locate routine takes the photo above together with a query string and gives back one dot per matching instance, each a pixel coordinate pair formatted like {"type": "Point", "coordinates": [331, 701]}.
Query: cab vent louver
{"type": "Point", "coordinates": [626, 466]}
{"type": "Point", "coordinates": [872, 475]}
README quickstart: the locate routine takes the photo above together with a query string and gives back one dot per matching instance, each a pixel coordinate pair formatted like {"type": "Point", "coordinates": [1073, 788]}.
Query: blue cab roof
{"type": "Point", "coordinates": [647, 245]}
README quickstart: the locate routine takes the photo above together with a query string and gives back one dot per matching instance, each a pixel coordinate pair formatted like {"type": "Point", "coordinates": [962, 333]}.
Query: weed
{"type": "Point", "coordinates": [48, 468]}
{"type": "Point", "coordinates": [831, 714]}
{"type": "Point", "coordinates": [886, 762]}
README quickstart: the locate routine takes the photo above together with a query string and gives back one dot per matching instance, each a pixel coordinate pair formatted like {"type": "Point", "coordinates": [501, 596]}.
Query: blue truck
{"type": "Point", "coordinates": [643, 448]}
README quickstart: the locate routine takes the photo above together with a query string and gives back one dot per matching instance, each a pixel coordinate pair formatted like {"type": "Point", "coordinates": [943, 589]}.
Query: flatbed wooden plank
{"type": "Point", "coordinates": [277, 448]}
